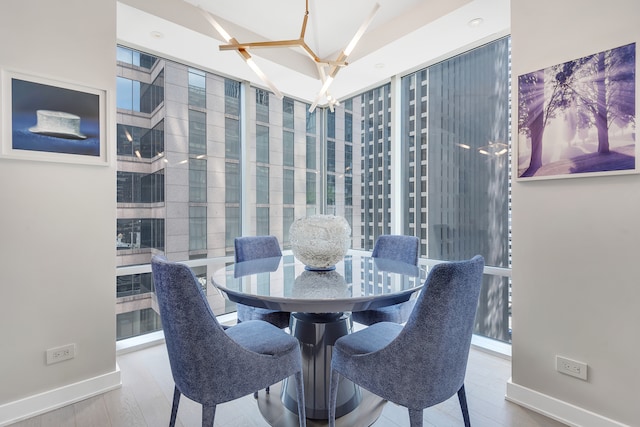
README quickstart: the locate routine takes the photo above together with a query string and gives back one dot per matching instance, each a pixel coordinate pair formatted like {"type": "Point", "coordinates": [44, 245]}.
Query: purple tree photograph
{"type": "Point", "coordinates": [578, 117]}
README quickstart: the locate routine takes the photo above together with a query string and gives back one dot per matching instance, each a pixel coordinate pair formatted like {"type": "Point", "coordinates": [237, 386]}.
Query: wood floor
{"type": "Point", "coordinates": [147, 387]}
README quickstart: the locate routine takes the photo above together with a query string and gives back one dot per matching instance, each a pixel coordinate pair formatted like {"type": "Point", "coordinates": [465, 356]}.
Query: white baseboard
{"type": "Point", "coordinates": [31, 406]}
{"type": "Point", "coordinates": [556, 409]}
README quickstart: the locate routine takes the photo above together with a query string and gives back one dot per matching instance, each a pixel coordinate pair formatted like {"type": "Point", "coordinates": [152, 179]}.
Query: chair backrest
{"type": "Point", "coordinates": [256, 247]}
{"type": "Point", "coordinates": [436, 338]}
{"type": "Point", "coordinates": [394, 266]}
{"type": "Point", "coordinates": [191, 331]}
{"type": "Point", "coordinates": [397, 247]}
{"type": "Point", "coordinates": [254, 266]}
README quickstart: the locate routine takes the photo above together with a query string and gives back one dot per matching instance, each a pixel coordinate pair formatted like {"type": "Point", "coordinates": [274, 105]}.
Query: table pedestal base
{"type": "Point", "coordinates": [277, 415]}
{"type": "Point", "coordinates": [317, 333]}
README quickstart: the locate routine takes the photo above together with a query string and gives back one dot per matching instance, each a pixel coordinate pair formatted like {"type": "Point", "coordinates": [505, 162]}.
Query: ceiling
{"type": "Point", "coordinates": [403, 36]}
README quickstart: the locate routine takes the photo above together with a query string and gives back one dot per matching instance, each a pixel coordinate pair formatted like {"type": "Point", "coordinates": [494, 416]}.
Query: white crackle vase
{"type": "Point", "coordinates": [320, 241]}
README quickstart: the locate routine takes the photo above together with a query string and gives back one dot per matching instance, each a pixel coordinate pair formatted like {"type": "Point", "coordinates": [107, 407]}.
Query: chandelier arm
{"type": "Point", "coordinates": [258, 45]}
{"type": "Point", "coordinates": [323, 79]}
{"type": "Point", "coordinates": [354, 41]}
{"type": "Point", "coordinates": [313, 106]}
{"type": "Point", "coordinates": [342, 57]}
{"type": "Point", "coordinates": [363, 27]}
{"type": "Point", "coordinates": [310, 52]}
{"type": "Point", "coordinates": [216, 25]}
{"type": "Point", "coordinates": [321, 72]}
{"type": "Point", "coordinates": [304, 22]}
{"type": "Point", "coordinates": [242, 52]}
{"type": "Point", "coordinates": [340, 64]}
{"type": "Point", "coordinates": [252, 64]}
{"type": "Point", "coordinates": [335, 68]}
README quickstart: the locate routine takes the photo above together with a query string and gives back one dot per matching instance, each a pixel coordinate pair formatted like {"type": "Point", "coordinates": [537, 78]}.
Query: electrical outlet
{"type": "Point", "coordinates": [58, 354]}
{"type": "Point", "coordinates": [571, 367]}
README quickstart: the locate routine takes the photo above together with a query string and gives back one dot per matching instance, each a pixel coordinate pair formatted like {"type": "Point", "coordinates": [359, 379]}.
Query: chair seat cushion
{"type": "Point", "coordinates": [397, 313]}
{"type": "Point", "coordinates": [369, 339]}
{"type": "Point", "coordinates": [262, 337]}
{"type": "Point", "coordinates": [280, 319]}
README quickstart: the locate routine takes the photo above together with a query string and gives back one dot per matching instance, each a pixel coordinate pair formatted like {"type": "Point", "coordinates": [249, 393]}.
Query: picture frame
{"type": "Point", "coordinates": [578, 118]}
{"type": "Point", "coordinates": [50, 120]}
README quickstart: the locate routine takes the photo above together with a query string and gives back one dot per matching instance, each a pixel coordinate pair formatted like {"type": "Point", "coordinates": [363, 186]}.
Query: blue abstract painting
{"type": "Point", "coordinates": [54, 119]}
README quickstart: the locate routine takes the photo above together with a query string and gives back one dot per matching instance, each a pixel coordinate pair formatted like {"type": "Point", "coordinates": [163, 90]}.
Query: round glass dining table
{"type": "Point", "coordinates": [320, 302]}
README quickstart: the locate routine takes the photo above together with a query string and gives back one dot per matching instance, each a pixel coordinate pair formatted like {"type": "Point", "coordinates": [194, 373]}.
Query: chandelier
{"type": "Point", "coordinates": [327, 68]}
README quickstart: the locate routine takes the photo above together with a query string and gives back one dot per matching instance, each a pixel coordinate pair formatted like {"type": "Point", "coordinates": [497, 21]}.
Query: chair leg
{"type": "Point", "coordinates": [462, 397]}
{"type": "Point", "coordinates": [174, 407]}
{"type": "Point", "coordinates": [333, 397]}
{"type": "Point", "coordinates": [255, 393]}
{"type": "Point", "coordinates": [302, 415]}
{"type": "Point", "coordinates": [415, 417]}
{"type": "Point", "coordinates": [208, 414]}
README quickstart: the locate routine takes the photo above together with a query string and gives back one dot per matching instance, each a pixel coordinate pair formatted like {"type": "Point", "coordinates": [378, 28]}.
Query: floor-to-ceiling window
{"type": "Point", "coordinates": [232, 170]}
{"type": "Point", "coordinates": [262, 167]}
{"type": "Point", "coordinates": [193, 147]}
{"type": "Point", "coordinates": [140, 227]}
{"type": "Point", "coordinates": [179, 175]}
{"type": "Point", "coordinates": [312, 154]}
{"type": "Point", "coordinates": [288, 168]}
{"type": "Point", "coordinates": [375, 164]}
{"type": "Point", "coordinates": [455, 130]}
{"type": "Point", "coordinates": [198, 153]}
{"type": "Point", "coordinates": [197, 101]}
{"type": "Point", "coordinates": [348, 169]}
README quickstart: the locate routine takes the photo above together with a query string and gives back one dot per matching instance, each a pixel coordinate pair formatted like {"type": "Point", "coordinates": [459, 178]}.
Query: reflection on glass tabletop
{"type": "Point", "coordinates": [359, 282]}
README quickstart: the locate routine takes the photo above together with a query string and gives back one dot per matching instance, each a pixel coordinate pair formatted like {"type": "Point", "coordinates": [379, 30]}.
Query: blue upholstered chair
{"type": "Point", "coordinates": [255, 247]}
{"type": "Point", "coordinates": [424, 362]}
{"type": "Point", "coordinates": [211, 365]}
{"type": "Point", "coordinates": [396, 248]}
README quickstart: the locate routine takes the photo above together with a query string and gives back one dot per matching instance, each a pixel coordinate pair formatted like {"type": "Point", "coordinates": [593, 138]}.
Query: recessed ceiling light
{"type": "Point", "coordinates": [379, 65]}
{"type": "Point", "coordinates": [156, 34]}
{"type": "Point", "coordinates": [475, 22]}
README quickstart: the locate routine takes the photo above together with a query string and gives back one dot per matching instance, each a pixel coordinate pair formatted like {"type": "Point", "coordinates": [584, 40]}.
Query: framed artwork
{"type": "Point", "coordinates": [578, 118]}
{"type": "Point", "coordinates": [48, 120]}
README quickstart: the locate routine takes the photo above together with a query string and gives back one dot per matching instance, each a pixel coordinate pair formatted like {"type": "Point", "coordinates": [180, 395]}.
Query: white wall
{"type": "Point", "coordinates": [576, 243]}
{"type": "Point", "coordinates": [57, 221]}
